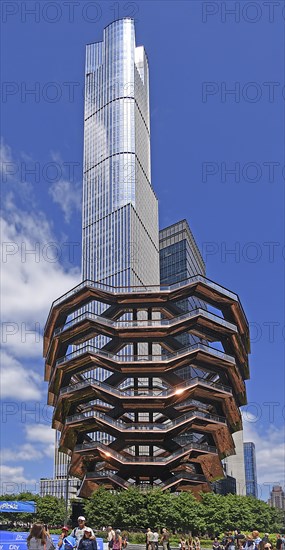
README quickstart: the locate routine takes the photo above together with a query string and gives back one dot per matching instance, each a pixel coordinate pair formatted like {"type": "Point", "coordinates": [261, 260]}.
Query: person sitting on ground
{"type": "Point", "coordinates": [38, 538]}
{"type": "Point", "coordinates": [87, 543]}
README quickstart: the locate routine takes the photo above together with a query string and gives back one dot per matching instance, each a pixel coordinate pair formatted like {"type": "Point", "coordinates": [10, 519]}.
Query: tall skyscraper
{"type": "Point", "coordinates": [120, 213]}
{"type": "Point", "coordinates": [250, 469]}
{"type": "Point", "coordinates": [134, 405]}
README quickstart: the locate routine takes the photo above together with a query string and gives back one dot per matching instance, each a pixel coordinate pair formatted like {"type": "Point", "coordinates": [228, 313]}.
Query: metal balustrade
{"type": "Point", "coordinates": [139, 426]}
{"type": "Point", "coordinates": [156, 323]}
{"type": "Point", "coordinates": [145, 392]}
{"type": "Point", "coordinates": [147, 289]}
{"type": "Point", "coordinates": [108, 452]}
{"type": "Point", "coordinates": [88, 348]}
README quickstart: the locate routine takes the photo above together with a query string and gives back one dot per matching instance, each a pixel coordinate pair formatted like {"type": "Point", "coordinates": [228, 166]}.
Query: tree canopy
{"type": "Point", "coordinates": [135, 510]}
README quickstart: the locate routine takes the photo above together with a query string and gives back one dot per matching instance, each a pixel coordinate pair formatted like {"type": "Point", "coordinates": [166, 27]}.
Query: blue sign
{"type": "Point", "coordinates": [10, 540]}
{"type": "Point", "coordinates": [12, 506]}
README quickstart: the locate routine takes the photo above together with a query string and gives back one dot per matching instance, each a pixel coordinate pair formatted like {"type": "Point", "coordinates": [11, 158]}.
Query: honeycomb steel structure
{"type": "Point", "coordinates": [157, 428]}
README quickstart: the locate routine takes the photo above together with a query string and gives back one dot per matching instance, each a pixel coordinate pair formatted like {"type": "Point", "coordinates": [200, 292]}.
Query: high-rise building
{"type": "Point", "coordinates": [250, 469]}
{"type": "Point", "coordinates": [277, 497]}
{"type": "Point", "coordinates": [180, 259]}
{"type": "Point", "coordinates": [132, 403]}
{"type": "Point", "coordinates": [120, 212]}
{"type": "Point", "coordinates": [234, 464]}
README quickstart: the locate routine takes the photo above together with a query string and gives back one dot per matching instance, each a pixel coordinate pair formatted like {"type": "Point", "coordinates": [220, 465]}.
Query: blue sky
{"type": "Point", "coordinates": [197, 54]}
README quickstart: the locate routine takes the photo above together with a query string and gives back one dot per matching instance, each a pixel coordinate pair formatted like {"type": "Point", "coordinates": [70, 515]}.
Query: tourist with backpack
{"type": "Point", "coordinates": [78, 532]}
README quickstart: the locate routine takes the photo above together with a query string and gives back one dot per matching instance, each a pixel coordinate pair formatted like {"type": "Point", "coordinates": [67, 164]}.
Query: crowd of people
{"type": "Point", "coordinates": [83, 537]}
{"type": "Point", "coordinates": [238, 541]}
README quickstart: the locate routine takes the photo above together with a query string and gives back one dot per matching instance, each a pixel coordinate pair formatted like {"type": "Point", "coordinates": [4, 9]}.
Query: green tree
{"type": "Point", "coordinates": [132, 510]}
{"type": "Point", "coordinates": [50, 510]}
{"type": "Point", "coordinates": [214, 510]}
{"type": "Point", "coordinates": [188, 510]}
{"type": "Point", "coordinates": [160, 510]}
{"type": "Point", "coordinates": [101, 508]}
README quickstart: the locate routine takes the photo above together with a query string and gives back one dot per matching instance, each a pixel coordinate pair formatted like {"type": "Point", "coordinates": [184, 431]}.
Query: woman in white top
{"type": "Point", "coordinates": [38, 538]}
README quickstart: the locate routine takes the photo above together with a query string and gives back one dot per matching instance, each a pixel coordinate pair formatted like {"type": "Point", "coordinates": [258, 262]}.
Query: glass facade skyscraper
{"type": "Point", "coordinates": [250, 469]}
{"type": "Point", "coordinates": [180, 259]}
{"type": "Point", "coordinates": [120, 213]}
{"type": "Point", "coordinates": [120, 244]}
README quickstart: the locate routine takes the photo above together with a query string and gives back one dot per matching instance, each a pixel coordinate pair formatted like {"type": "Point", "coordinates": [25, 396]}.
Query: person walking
{"type": "Point", "coordinates": [87, 543]}
{"type": "Point", "coordinates": [155, 540]}
{"type": "Point", "coordinates": [78, 532]}
{"type": "Point", "coordinates": [165, 539]}
{"type": "Point", "coordinates": [38, 539]}
{"type": "Point", "coordinates": [110, 536]}
{"type": "Point", "coordinates": [149, 539]}
{"type": "Point", "coordinates": [117, 544]}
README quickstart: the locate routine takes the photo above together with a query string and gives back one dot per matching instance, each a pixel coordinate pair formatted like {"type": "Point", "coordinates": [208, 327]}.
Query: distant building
{"type": "Point", "coordinates": [57, 488]}
{"type": "Point", "coordinates": [277, 497]}
{"type": "Point", "coordinates": [235, 466]}
{"type": "Point", "coordinates": [250, 469]}
{"type": "Point", "coordinates": [225, 486]}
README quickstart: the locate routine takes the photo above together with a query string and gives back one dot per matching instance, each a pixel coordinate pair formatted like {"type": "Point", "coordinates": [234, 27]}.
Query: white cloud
{"type": "Point", "coordinates": [68, 195]}
{"type": "Point", "coordinates": [14, 474]}
{"type": "Point", "coordinates": [17, 382]}
{"type": "Point", "coordinates": [40, 433]}
{"type": "Point", "coordinates": [31, 278]}
{"type": "Point", "coordinates": [38, 278]}
{"type": "Point", "coordinates": [23, 452]}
